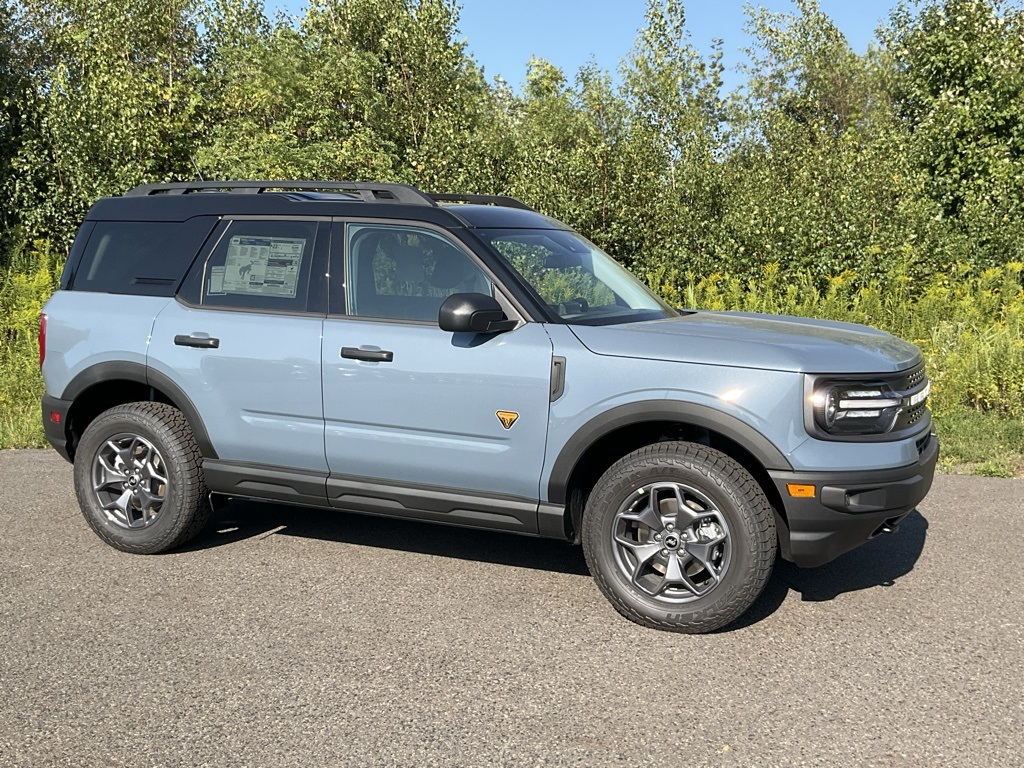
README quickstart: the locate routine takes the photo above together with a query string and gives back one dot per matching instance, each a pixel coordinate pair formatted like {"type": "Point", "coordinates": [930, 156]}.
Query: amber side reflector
{"type": "Point", "coordinates": [800, 491]}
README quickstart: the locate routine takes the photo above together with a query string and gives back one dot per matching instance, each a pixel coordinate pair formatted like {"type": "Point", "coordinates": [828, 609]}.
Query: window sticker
{"type": "Point", "coordinates": [265, 266]}
{"type": "Point", "coordinates": [216, 281]}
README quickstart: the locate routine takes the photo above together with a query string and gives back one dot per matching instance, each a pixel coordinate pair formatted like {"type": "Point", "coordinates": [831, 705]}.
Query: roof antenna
{"type": "Point", "coordinates": [198, 172]}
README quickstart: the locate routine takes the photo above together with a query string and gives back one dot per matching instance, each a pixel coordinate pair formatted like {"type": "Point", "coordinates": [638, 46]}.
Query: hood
{"type": "Point", "coordinates": [743, 340]}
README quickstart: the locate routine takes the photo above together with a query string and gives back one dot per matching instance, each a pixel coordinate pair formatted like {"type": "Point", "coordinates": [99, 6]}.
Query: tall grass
{"type": "Point", "coordinates": [967, 324]}
{"type": "Point", "coordinates": [29, 276]}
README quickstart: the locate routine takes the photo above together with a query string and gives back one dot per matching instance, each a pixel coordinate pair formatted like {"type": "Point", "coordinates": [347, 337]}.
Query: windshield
{"type": "Point", "coordinates": [578, 282]}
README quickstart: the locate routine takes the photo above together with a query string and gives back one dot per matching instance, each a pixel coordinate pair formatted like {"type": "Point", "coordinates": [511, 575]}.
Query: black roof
{"type": "Point", "coordinates": [498, 217]}
{"type": "Point", "coordinates": [179, 201]}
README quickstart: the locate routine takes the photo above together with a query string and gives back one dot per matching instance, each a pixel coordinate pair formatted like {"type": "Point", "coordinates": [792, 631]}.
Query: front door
{"type": "Point", "coordinates": [421, 422]}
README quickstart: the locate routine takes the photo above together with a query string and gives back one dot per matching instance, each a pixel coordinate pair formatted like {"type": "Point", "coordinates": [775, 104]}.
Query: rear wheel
{"type": "Point", "coordinates": [139, 478]}
{"type": "Point", "coordinates": [679, 537]}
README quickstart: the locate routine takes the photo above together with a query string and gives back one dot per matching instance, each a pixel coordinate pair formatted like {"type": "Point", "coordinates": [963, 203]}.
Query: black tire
{"type": "Point", "coordinates": [724, 544]}
{"type": "Point", "coordinates": [141, 462]}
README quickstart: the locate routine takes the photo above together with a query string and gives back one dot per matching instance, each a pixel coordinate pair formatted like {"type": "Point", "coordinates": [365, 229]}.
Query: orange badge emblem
{"type": "Point", "coordinates": [507, 418]}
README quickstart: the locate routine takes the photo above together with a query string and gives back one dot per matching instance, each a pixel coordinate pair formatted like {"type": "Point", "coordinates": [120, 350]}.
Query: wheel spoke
{"type": "Point", "coordinates": [124, 453]}
{"type": "Point", "coordinates": [648, 515]}
{"type": "Point", "coordinates": [108, 474]}
{"type": "Point", "coordinates": [673, 575]}
{"type": "Point", "coordinates": [703, 552]}
{"type": "Point", "coordinates": [685, 516]}
{"type": "Point", "coordinates": [699, 590]}
{"type": "Point", "coordinates": [676, 575]}
{"type": "Point", "coordinates": [148, 500]}
{"type": "Point", "coordinates": [151, 473]}
{"type": "Point", "coordinates": [122, 503]}
{"type": "Point", "coordinates": [643, 554]}
{"type": "Point", "coordinates": [653, 519]}
{"type": "Point", "coordinates": [138, 456]}
{"type": "Point", "coordinates": [116, 453]}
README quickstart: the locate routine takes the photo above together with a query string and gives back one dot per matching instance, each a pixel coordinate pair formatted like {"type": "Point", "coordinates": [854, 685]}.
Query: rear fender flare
{"type": "Point", "coordinates": [117, 370]}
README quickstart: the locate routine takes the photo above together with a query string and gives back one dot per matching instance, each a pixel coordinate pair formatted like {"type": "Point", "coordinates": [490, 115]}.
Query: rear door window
{"type": "Point", "coordinates": [260, 265]}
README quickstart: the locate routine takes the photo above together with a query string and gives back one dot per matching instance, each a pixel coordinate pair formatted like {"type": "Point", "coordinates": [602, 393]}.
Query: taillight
{"type": "Point", "coordinates": [42, 339]}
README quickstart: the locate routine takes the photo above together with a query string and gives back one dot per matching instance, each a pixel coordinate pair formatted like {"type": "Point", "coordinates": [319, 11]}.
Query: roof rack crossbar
{"type": "Point", "coordinates": [502, 200]}
{"type": "Point", "coordinates": [367, 191]}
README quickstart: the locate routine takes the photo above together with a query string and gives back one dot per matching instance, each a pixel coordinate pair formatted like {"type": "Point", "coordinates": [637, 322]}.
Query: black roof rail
{"type": "Point", "coordinates": [371, 192]}
{"type": "Point", "coordinates": [502, 200]}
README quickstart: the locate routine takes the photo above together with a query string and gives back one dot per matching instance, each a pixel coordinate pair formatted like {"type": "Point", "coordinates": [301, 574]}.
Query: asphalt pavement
{"type": "Point", "coordinates": [294, 637]}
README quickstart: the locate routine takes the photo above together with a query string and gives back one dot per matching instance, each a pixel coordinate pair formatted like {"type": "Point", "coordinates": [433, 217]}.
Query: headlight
{"type": "Point", "coordinates": [882, 408]}
{"type": "Point", "coordinates": [828, 402]}
{"type": "Point", "coordinates": [855, 409]}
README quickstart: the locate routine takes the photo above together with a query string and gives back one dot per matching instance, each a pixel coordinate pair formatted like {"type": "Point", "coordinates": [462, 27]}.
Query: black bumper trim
{"type": "Point", "coordinates": [56, 432]}
{"type": "Point", "coordinates": [849, 508]}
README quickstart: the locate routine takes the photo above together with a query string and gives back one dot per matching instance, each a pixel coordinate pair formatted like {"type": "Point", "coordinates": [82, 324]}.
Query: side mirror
{"type": "Point", "coordinates": [473, 313]}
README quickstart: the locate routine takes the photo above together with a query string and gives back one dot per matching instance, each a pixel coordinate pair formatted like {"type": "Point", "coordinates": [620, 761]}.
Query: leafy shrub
{"type": "Point", "coordinates": [968, 324]}
{"type": "Point", "coordinates": [29, 278]}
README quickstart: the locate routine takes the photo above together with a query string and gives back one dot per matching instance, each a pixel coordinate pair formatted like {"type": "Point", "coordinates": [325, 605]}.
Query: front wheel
{"type": "Point", "coordinates": [679, 537]}
{"type": "Point", "coordinates": [139, 478]}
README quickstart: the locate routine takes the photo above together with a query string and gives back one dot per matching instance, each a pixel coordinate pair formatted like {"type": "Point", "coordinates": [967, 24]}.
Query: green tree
{"type": "Point", "coordinates": [959, 87]}
{"type": "Point", "coordinates": [819, 177]}
{"type": "Point", "coordinates": [634, 166]}
{"type": "Point", "coordinates": [674, 146]}
{"type": "Point", "coordinates": [566, 137]}
{"type": "Point", "coordinates": [260, 95]}
{"type": "Point", "coordinates": [376, 89]}
{"type": "Point", "coordinates": [115, 101]}
{"type": "Point", "coordinates": [15, 66]}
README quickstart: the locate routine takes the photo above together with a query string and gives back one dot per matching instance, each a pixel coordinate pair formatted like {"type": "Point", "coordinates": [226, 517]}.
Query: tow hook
{"type": "Point", "coordinates": [889, 526]}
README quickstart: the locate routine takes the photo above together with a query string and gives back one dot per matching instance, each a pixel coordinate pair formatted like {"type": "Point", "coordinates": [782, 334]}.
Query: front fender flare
{"type": "Point", "coordinates": [693, 414]}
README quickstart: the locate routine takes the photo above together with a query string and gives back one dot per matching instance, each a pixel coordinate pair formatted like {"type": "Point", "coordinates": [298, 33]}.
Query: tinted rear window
{"type": "Point", "coordinates": [140, 257]}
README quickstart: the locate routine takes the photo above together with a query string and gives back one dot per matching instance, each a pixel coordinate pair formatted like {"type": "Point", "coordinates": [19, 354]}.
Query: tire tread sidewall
{"type": "Point", "coordinates": [737, 496]}
{"type": "Point", "coordinates": [185, 509]}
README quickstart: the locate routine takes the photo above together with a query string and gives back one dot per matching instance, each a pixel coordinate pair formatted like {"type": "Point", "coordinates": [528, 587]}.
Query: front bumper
{"type": "Point", "coordinates": [56, 431]}
{"type": "Point", "coordinates": [850, 508]}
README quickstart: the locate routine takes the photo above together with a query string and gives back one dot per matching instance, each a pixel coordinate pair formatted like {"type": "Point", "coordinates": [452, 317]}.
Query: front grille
{"type": "Point", "coordinates": [906, 386]}
{"type": "Point", "coordinates": [916, 413]}
{"type": "Point", "coordinates": [908, 382]}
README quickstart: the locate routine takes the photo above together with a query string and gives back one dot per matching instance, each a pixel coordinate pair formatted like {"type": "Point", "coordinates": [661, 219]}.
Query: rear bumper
{"type": "Point", "coordinates": [850, 508]}
{"type": "Point", "coordinates": [56, 431]}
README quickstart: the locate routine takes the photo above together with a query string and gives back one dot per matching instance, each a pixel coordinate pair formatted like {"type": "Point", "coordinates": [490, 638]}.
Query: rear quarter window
{"type": "Point", "coordinates": [146, 258]}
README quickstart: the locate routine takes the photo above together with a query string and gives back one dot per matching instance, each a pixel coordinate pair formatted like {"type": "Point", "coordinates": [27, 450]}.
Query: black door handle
{"type": "Point", "coordinates": [203, 342]}
{"type": "Point", "coordinates": [370, 355]}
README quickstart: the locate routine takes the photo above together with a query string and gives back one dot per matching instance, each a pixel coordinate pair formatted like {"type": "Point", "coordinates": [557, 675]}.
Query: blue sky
{"type": "Point", "coordinates": [504, 36]}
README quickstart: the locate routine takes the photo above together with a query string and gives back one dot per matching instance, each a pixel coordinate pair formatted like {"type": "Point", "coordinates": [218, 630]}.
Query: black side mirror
{"type": "Point", "coordinates": [473, 313]}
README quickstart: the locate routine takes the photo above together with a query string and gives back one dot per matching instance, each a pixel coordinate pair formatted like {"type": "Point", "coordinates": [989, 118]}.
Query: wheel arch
{"type": "Point", "coordinates": [105, 385]}
{"type": "Point", "coordinates": [608, 437]}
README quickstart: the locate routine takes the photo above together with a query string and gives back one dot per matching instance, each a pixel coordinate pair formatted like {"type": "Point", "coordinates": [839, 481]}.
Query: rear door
{"type": "Point", "coordinates": [421, 422]}
{"type": "Point", "coordinates": [243, 342]}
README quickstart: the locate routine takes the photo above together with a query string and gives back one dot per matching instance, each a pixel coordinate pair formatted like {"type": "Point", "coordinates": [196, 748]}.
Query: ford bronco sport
{"type": "Point", "coordinates": [465, 360]}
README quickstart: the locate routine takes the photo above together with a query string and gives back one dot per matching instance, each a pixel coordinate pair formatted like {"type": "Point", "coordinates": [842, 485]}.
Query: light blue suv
{"type": "Point", "coordinates": [465, 360]}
